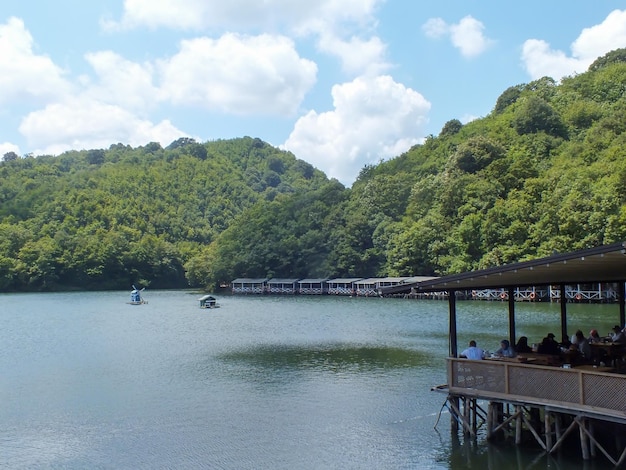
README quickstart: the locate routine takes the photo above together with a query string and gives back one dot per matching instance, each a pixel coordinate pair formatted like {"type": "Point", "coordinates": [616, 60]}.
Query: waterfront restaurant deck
{"type": "Point", "coordinates": [531, 397]}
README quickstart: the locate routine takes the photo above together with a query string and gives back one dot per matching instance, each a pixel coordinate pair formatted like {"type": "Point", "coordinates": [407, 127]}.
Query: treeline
{"type": "Point", "coordinates": [102, 219]}
{"type": "Point", "coordinates": [545, 171]}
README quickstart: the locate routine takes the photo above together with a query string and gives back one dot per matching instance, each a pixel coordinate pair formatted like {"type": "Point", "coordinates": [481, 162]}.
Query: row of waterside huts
{"type": "Point", "coordinates": [374, 286]}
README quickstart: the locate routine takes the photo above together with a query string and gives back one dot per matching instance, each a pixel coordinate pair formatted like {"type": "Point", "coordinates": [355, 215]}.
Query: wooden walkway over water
{"type": "Point", "coordinates": [549, 403]}
{"type": "Point", "coordinates": [546, 403]}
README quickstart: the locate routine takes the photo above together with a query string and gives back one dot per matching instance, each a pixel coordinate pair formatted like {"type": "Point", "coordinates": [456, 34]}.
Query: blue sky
{"type": "Point", "coordinates": [340, 83]}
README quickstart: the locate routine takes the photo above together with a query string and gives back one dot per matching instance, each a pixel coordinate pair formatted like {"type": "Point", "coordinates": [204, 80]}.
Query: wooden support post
{"type": "Point", "coordinates": [563, 312]}
{"type": "Point", "coordinates": [467, 418]}
{"type": "Point", "coordinates": [592, 441]}
{"type": "Point", "coordinates": [511, 293]}
{"type": "Point", "coordinates": [474, 417]}
{"type": "Point", "coordinates": [455, 412]}
{"type": "Point", "coordinates": [622, 459]}
{"type": "Point", "coordinates": [562, 437]}
{"type": "Point", "coordinates": [490, 420]}
{"type": "Point", "coordinates": [454, 418]}
{"type": "Point", "coordinates": [518, 424]}
{"type": "Point", "coordinates": [547, 430]}
{"type": "Point", "coordinates": [584, 440]}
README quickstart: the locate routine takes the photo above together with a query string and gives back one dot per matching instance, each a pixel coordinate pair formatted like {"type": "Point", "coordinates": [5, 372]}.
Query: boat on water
{"type": "Point", "coordinates": [208, 301]}
{"type": "Point", "coordinates": [136, 298]}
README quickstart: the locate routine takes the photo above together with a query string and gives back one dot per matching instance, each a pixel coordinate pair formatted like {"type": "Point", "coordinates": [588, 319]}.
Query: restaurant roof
{"type": "Point", "coordinates": [605, 263]}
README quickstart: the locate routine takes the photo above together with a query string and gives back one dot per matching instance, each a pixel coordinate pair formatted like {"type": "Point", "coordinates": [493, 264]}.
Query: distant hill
{"type": "Point", "coordinates": [545, 171]}
{"type": "Point", "coordinates": [121, 216]}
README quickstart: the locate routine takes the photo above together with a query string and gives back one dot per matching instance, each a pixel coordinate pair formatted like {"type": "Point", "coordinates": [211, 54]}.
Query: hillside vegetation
{"type": "Point", "coordinates": [545, 171]}
{"type": "Point", "coordinates": [110, 218]}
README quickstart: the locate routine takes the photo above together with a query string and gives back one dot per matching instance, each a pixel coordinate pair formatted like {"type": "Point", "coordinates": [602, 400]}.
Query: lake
{"type": "Point", "coordinates": [88, 381]}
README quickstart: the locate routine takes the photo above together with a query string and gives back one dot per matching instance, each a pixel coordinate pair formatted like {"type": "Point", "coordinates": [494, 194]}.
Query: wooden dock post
{"type": "Point", "coordinates": [584, 439]}
{"type": "Point", "coordinates": [547, 429]}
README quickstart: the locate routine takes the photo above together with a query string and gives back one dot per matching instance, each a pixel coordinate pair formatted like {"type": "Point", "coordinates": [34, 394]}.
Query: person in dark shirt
{"type": "Point", "coordinates": [549, 346]}
{"type": "Point", "coordinates": [522, 345]}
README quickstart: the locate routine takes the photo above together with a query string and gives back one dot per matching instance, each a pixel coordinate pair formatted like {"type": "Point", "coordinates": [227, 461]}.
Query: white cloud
{"type": "Point", "coordinates": [177, 14]}
{"type": "Point", "coordinates": [342, 29]}
{"type": "Point", "coordinates": [121, 81]}
{"type": "Point", "coordinates": [239, 75]}
{"type": "Point", "coordinates": [540, 60]}
{"type": "Point", "coordinates": [253, 15]}
{"type": "Point", "coordinates": [24, 74]}
{"type": "Point", "coordinates": [435, 28]}
{"type": "Point", "coordinates": [82, 123]}
{"type": "Point", "coordinates": [599, 39]}
{"type": "Point", "coordinates": [467, 35]}
{"type": "Point", "coordinates": [358, 56]}
{"type": "Point", "coordinates": [373, 119]}
{"type": "Point", "coordinates": [235, 74]}
{"type": "Point", "coordinates": [6, 147]}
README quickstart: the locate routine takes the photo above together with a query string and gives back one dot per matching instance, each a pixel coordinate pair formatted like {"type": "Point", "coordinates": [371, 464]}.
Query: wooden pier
{"type": "Point", "coordinates": [546, 403]}
{"type": "Point", "coordinates": [522, 398]}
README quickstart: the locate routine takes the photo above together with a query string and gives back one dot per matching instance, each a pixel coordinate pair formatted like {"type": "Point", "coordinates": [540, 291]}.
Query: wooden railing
{"type": "Point", "coordinates": [587, 390]}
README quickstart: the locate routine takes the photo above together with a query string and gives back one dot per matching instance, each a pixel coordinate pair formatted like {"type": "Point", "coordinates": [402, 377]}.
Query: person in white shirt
{"type": "Point", "coordinates": [618, 335]}
{"type": "Point", "coordinates": [473, 352]}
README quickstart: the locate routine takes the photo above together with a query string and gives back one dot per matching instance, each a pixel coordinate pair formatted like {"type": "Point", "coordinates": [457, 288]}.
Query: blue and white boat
{"type": "Point", "coordinates": [136, 298]}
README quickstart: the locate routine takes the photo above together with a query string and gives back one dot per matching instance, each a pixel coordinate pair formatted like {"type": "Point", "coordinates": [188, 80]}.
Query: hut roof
{"type": "Point", "coordinates": [605, 263]}
{"type": "Point", "coordinates": [345, 280]}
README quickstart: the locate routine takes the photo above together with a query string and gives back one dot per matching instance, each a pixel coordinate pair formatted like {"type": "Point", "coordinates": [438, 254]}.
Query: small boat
{"type": "Point", "coordinates": [136, 298]}
{"type": "Point", "coordinates": [208, 301]}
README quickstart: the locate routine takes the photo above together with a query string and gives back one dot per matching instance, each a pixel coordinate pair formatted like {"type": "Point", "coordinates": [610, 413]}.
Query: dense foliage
{"type": "Point", "coordinates": [545, 171]}
{"type": "Point", "coordinates": [111, 218]}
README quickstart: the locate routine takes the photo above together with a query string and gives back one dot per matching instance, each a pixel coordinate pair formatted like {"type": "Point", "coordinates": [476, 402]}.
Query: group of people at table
{"type": "Point", "coordinates": [593, 349]}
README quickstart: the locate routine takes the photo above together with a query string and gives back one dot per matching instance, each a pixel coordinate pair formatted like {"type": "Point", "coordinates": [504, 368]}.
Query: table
{"type": "Point", "coordinates": [541, 359]}
{"type": "Point", "coordinates": [531, 358]}
{"type": "Point", "coordinates": [592, 368]}
{"type": "Point", "coordinates": [608, 352]}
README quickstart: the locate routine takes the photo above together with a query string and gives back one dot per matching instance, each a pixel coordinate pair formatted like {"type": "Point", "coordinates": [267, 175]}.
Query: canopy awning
{"type": "Point", "coordinates": [600, 264]}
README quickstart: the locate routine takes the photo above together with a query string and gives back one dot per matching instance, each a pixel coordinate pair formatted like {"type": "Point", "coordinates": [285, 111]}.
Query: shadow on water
{"type": "Point", "coordinates": [460, 453]}
{"type": "Point", "coordinates": [336, 357]}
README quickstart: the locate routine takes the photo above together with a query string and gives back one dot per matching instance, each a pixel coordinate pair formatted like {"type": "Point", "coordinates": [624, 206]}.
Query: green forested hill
{"type": "Point", "coordinates": [104, 219]}
{"type": "Point", "coordinates": [545, 171]}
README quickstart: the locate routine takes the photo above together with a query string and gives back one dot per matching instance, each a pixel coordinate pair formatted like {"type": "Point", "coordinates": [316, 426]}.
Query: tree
{"type": "Point", "coordinates": [10, 157]}
{"type": "Point", "coordinates": [95, 157]}
{"type": "Point", "coordinates": [508, 97]}
{"type": "Point", "coordinates": [615, 56]}
{"type": "Point", "coordinates": [475, 154]}
{"type": "Point", "coordinates": [536, 115]}
{"type": "Point", "coordinates": [451, 127]}
{"type": "Point", "coordinates": [180, 142]}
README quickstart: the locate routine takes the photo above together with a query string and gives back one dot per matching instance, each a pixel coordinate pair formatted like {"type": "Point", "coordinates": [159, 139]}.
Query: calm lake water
{"type": "Point", "coordinates": [88, 381]}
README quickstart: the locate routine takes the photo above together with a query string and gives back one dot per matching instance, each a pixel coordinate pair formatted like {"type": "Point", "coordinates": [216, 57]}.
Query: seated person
{"type": "Point", "coordinates": [618, 335]}
{"type": "Point", "coordinates": [594, 337]}
{"type": "Point", "coordinates": [473, 352]}
{"type": "Point", "coordinates": [549, 346]}
{"type": "Point", "coordinates": [505, 349]}
{"type": "Point", "coordinates": [582, 345]}
{"type": "Point", "coordinates": [522, 346]}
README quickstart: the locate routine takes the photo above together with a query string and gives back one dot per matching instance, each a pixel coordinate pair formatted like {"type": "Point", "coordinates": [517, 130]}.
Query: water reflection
{"type": "Point", "coordinates": [339, 358]}
{"type": "Point", "coordinates": [462, 453]}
